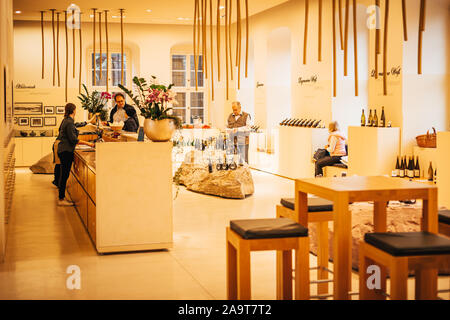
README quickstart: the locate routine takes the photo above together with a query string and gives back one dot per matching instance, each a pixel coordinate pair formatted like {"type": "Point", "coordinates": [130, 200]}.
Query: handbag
{"type": "Point", "coordinates": [320, 153]}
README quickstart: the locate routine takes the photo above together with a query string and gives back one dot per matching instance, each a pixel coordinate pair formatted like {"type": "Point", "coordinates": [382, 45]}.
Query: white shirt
{"type": "Point", "coordinates": [120, 115]}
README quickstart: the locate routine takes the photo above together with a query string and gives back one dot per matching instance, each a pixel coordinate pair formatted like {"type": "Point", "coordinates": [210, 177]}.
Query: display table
{"type": "Point", "coordinates": [123, 194]}
{"type": "Point", "coordinates": [380, 190]}
{"type": "Point", "coordinates": [295, 149]}
{"type": "Point", "coordinates": [372, 151]}
{"type": "Point", "coordinates": [443, 168]}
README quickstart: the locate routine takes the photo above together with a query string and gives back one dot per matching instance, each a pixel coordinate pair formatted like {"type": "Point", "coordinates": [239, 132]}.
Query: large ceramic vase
{"type": "Point", "coordinates": [159, 130]}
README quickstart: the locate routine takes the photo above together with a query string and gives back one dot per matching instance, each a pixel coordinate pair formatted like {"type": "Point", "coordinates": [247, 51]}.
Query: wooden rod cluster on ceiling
{"type": "Point", "coordinates": [201, 41]}
{"type": "Point", "coordinates": [76, 18]}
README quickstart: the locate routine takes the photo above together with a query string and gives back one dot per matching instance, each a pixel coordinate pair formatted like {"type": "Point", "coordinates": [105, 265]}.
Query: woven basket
{"type": "Point", "coordinates": [427, 140]}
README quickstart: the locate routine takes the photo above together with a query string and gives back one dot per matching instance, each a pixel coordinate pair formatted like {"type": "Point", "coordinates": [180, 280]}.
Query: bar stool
{"type": "Point", "coordinates": [320, 211]}
{"type": "Point", "coordinates": [444, 222]}
{"type": "Point", "coordinates": [245, 236]}
{"type": "Point", "coordinates": [401, 252]}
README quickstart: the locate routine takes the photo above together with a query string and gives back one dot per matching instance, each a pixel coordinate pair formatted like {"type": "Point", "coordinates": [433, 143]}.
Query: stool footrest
{"type": "Point", "coordinates": [321, 281]}
{"type": "Point", "coordinates": [322, 296]}
{"type": "Point", "coordinates": [444, 291]}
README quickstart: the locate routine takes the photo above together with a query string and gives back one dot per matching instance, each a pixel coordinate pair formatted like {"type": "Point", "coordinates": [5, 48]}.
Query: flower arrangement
{"type": "Point", "coordinates": [95, 102]}
{"type": "Point", "coordinates": [153, 100]}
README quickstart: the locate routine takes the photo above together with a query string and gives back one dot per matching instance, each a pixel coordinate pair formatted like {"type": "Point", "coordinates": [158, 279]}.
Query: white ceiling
{"type": "Point", "coordinates": [162, 12]}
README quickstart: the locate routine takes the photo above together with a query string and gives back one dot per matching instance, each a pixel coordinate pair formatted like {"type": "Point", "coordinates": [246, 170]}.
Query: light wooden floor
{"type": "Point", "coordinates": [43, 240]}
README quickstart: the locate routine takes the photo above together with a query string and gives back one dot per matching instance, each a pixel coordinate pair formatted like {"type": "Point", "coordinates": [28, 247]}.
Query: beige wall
{"type": "Point", "coordinates": [413, 102]}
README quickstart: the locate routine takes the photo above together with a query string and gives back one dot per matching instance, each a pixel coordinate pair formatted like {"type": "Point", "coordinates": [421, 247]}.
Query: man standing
{"type": "Point", "coordinates": [120, 111]}
{"type": "Point", "coordinates": [240, 122]}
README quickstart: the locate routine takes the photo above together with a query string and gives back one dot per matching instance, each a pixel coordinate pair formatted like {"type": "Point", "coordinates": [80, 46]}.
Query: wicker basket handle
{"type": "Point", "coordinates": [434, 131]}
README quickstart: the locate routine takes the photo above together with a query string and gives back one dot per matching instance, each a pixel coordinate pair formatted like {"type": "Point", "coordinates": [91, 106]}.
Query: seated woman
{"type": "Point", "coordinates": [336, 148]}
{"type": "Point", "coordinates": [130, 124]}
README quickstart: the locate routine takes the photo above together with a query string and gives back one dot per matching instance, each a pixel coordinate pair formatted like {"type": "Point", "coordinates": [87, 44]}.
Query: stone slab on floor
{"type": "Point", "coordinates": [232, 184]}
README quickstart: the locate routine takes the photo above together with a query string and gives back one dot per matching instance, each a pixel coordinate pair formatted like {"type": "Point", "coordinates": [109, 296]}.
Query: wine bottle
{"type": "Point", "coordinates": [383, 119]}
{"type": "Point", "coordinates": [297, 122]}
{"type": "Point", "coordinates": [370, 122]}
{"type": "Point", "coordinates": [402, 169]}
{"type": "Point", "coordinates": [375, 119]}
{"type": "Point", "coordinates": [210, 167]}
{"type": "Point", "coordinates": [396, 171]}
{"type": "Point", "coordinates": [411, 168]}
{"type": "Point", "coordinates": [311, 123]}
{"type": "Point", "coordinates": [417, 169]}
{"type": "Point", "coordinates": [307, 124]}
{"type": "Point", "coordinates": [363, 119]}
{"type": "Point", "coordinates": [317, 123]}
{"type": "Point", "coordinates": [430, 172]}
{"type": "Point", "coordinates": [435, 176]}
{"type": "Point", "coordinates": [293, 122]}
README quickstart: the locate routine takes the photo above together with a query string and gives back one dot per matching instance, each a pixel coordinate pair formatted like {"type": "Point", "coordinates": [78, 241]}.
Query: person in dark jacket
{"type": "Point", "coordinates": [57, 169]}
{"type": "Point", "coordinates": [119, 112]}
{"type": "Point", "coordinates": [68, 135]}
{"type": "Point", "coordinates": [130, 124]}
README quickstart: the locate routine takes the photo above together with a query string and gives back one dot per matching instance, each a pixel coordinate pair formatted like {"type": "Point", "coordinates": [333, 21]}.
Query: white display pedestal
{"type": "Point", "coordinates": [295, 148]}
{"type": "Point", "coordinates": [443, 168]}
{"type": "Point", "coordinates": [426, 155]}
{"type": "Point", "coordinates": [372, 151]}
{"type": "Point", "coordinates": [30, 150]}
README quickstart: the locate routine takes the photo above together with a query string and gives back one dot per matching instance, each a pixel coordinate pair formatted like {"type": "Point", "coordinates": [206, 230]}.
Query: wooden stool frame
{"type": "Point", "coordinates": [322, 219]}
{"type": "Point", "coordinates": [399, 267]}
{"type": "Point", "coordinates": [238, 264]}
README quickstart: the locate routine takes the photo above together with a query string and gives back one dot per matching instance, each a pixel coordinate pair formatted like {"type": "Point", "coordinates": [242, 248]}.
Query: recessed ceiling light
{"type": "Point", "coordinates": [222, 7]}
{"type": "Point", "coordinates": [18, 12]}
{"type": "Point", "coordinates": [149, 10]}
{"type": "Point", "coordinates": [183, 19]}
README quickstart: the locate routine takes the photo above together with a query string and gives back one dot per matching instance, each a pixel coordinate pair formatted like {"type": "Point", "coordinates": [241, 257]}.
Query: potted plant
{"type": "Point", "coordinates": [95, 103]}
{"type": "Point", "coordinates": [154, 101]}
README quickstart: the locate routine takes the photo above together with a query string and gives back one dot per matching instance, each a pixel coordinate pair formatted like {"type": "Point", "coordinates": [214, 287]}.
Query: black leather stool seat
{"type": "Point", "coordinates": [268, 228]}
{"type": "Point", "coordinates": [444, 216]}
{"type": "Point", "coordinates": [403, 244]}
{"type": "Point", "coordinates": [314, 204]}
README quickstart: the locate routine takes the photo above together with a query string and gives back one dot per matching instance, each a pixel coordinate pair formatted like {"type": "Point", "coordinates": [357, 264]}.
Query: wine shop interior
{"type": "Point", "coordinates": [225, 149]}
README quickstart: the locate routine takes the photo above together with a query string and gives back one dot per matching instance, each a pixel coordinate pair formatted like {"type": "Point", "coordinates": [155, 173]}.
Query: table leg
{"type": "Point", "coordinates": [342, 245]}
{"type": "Point", "coordinates": [301, 208]}
{"type": "Point", "coordinates": [426, 279]}
{"type": "Point", "coordinates": [380, 225]}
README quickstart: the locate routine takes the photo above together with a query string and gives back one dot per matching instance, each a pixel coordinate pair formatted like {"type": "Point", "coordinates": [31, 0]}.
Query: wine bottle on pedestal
{"type": "Point", "coordinates": [396, 171]}
{"type": "Point", "coordinates": [430, 172]}
{"type": "Point", "coordinates": [435, 176]}
{"type": "Point", "coordinates": [363, 119]}
{"type": "Point", "coordinates": [370, 122]}
{"type": "Point", "coordinates": [417, 169]}
{"type": "Point", "coordinates": [375, 119]}
{"type": "Point", "coordinates": [383, 118]}
{"type": "Point", "coordinates": [402, 169]}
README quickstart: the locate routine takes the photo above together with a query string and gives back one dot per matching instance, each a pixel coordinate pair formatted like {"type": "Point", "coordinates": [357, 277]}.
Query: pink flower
{"type": "Point", "coordinates": [106, 95]}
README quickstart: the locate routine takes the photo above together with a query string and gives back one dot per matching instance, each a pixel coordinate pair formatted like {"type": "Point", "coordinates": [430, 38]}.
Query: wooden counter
{"type": "Point", "coordinates": [123, 195]}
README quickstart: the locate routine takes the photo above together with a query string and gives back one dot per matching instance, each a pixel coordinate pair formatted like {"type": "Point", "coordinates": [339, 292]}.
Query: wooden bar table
{"type": "Point", "coordinates": [380, 190]}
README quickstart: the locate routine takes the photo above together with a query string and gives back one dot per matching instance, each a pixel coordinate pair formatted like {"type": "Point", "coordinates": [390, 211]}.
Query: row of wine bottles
{"type": "Point", "coordinates": [407, 168]}
{"type": "Point", "coordinates": [254, 128]}
{"type": "Point", "coordinates": [310, 123]}
{"type": "Point", "coordinates": [373, 119]}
